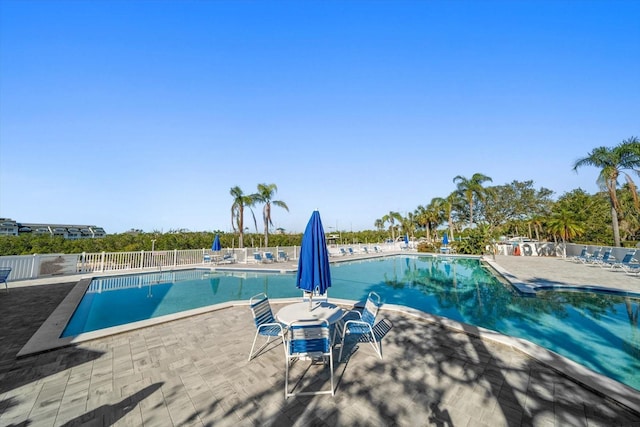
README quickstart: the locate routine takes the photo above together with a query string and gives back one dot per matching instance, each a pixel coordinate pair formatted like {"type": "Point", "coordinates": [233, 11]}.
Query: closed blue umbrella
{"type": "Point", "coordinates": [406, 239]}
{"type": "Point", "coordinates": [445, 239]}
{"type": "Point", "coordinates": [313, 266]}
{"type": "Point", "coordinates": [216, 244]}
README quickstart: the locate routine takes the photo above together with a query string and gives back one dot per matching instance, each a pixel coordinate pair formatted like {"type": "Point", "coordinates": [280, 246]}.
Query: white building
{"type": "Point", "coordinates": [9, 227]}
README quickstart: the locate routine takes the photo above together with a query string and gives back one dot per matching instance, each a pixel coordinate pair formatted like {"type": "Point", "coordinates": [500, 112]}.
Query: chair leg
{"type": "Point", "coordinates": [344, 335]}
{"type": "Point", "coordinates": [286, 377]}
{"type": "Point", "coordinates": [258, 350]}
{"type": "Point", "coordinates": [252, 346]}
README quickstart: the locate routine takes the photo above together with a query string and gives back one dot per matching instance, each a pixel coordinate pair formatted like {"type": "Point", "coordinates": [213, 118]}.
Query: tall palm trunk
{"type": "Point", "coordinates": [615, 225]}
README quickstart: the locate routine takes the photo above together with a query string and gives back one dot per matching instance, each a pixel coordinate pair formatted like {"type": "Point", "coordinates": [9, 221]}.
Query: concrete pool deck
{"type": "Point", "coordinates": [194, 371]}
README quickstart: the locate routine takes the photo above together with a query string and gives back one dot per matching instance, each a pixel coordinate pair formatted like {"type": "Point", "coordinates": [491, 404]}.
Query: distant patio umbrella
{"type": "Point", "coordinates": [216, 244]}
{"type": "Point", "coordinates": [313, 266]}
{"type": "Point", "coordinates": [406, 239]}
{"type": "Point", "coordinates": [445, 239]}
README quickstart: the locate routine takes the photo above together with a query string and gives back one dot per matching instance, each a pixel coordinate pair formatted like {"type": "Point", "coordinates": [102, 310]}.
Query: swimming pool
{"type": "Point", "coordinates": [599, 331]}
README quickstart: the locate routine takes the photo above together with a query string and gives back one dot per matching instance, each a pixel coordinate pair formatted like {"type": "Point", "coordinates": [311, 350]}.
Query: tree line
{"type": "Point", "coordinates": [473, 215]}
{"type": "Point", "coordinates": [519, 209]}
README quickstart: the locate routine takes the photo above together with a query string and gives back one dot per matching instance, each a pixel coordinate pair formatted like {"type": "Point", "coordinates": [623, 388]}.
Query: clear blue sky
{"type": "Point", "coordinates": [143, 114]}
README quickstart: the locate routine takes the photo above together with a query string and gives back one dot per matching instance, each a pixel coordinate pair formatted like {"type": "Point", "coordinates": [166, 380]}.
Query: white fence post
{"type": "Point", "coordinates": [175, 257]}
{"type": "Point", "coordinates": [33, 265]}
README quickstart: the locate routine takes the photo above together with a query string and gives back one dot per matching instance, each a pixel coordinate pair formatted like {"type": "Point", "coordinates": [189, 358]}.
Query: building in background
{"type": "Point", "coordinates": [9, 227]}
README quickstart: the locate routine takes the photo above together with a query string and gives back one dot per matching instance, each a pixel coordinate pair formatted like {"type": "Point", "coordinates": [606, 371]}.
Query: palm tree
{"type": "Point", "coordinates": [470, 188]}
{"type": "Point", "coordinates": [391, 218]}
{"type": "Point", "coordinates": [265, 195]}
{"type": "Point", "coordinates": [379, 224]}
{"type": "Point", "coordinates": [421, 216]}
{"type": "Point", "coordinates": [565, 225]}
{"type": "Point", "coordinates": [446, 206]}
{"type": "Point", "coordinates": [612, 163]}
{"type": "Point", "coordinates": [240, 201]}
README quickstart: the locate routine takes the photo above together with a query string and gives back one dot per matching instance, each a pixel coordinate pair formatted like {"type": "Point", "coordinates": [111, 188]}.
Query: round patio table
{"type": "Point", "coordinates": [319, 311]}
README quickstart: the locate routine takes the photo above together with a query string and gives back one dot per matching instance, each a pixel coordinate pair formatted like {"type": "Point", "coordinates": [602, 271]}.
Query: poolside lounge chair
{"type": "Point", "coordinates": [363, 324]}
{"type": "Point", "coordinates": [308, 340]}
{"type": "Point", "coordinates": [628, 263]}
{"type": "Point", "coordinates": [342, 252]}
{"type": "Point", "coordinates": [266, 324]}
{"type": "Point", "coordinates": [282, 256]}
{"type": "Point", "coordinates": [257, 257]}
{"type": "Point", "coordinates": [4, 274]}
{"type": "Point", "coordinates": [268, 257]}
{"type": "Point", "coordinates": [228, 259]}
{"type": "Point", "coordinates": [350, 251]}
{"type": "Point", "coordinates": [605, 259]}
{"type": "Point", "coordinates": [577, 258]}
{"type": "Point", "coordinates": [589, 258]}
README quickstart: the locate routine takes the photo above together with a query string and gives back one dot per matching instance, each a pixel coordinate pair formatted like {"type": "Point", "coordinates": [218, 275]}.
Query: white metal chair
{"type": "Point", "coordinates": [266, 324]}
{"type": "Point", "coordinates": [4, 274]}
{"type": "Point", "coordinates": [363, 325]}
{"type": "Point", "coordinates": [308, 340]}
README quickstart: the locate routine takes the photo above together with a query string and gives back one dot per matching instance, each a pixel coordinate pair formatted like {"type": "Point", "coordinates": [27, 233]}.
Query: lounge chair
{"type": "Point", "coordinates": [363, 324]}
{"type": "Point", "coordinates": [343, 252]}
{"type": "Point", "coordinates": [350, 251]}
{"type": "Point", "coordinates": [577, 258]}
{"type": "Point", "coordinates": [365, 249]}
{"type": "Point", "coordinates": [589, 258]}
{"type": "Point", "coordinates": [4, 274]}
{"type": "Point", "coordinates": [266, 324]}
{"type": "Point", "coordinates": [308, 340]}
{"type": "Point", "coordinates": [605, 259]}
{"type": "Point", "coordinates": [282, 256]}
{"type": "Point", "coordinates": [228, 259]}
{"type": "Point", "coordinates": [257, 257]}
{"type": "Point", "coordinates": [628, 263]}
{"type": "Point", "coordinates": [268, 257]}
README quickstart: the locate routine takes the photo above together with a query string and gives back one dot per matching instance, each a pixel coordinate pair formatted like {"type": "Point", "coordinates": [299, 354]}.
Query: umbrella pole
{"type": "Point", "coordinates": [310, 300]}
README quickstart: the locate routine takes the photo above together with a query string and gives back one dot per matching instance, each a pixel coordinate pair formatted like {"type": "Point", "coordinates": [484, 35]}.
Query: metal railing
{"type": "Point", "coordinates": [26, 267]}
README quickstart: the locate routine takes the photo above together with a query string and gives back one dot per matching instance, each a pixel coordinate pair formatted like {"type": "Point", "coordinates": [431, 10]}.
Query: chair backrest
{"type": "Point", "coordinates": [627, 257]}
{"type": "Point", "coordinates": [350, 251]}
{"type": "Point", "coordinates": [583, 253]}
{"type": "Point", "coordinates": [282, 255]}
{"type": "Point", "coordinates": [261, 309]}
{"type": "Point", "coordinates": [257, 256]}
{"type": "Point", "coordinates": [268, 255]}
{"type": "Point", "coordinates": [606, 255]}
{"type": "Point", "coordinates": [4, 273]}
{"type": "Point", "coordinates": [595, 254]}
{"type": "Point", "coordinates": [309, 337]}
{"type": "Point", "coordinates": [371, 308]}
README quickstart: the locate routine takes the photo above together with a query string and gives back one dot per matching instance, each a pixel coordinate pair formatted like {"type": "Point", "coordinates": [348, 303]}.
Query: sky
{"type": "Point", "coordinates": [144, 114]}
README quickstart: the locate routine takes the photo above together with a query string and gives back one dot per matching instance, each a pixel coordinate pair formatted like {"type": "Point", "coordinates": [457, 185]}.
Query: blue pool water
{"type": "Point", "coordinates": [597, 330]}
